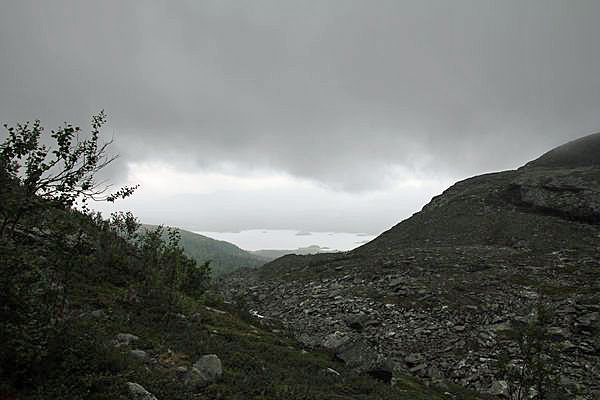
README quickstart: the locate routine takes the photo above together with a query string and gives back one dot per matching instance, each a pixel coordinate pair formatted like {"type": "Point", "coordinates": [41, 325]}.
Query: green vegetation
{"type": "Point", "coordinates": [224, 257]}
{"type": "Point", "coordinates": [536, 370]}
{"type": "Point", "coordinates": [53, 254]}
{"type": "Point", "coordinates": [71, 281]}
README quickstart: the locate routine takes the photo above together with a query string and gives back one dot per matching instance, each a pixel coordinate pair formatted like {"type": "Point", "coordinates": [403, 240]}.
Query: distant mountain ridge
{"type": "Point", "coordinates": [224, 257]}
{"type": "Point", "coordinates": [272, 254]}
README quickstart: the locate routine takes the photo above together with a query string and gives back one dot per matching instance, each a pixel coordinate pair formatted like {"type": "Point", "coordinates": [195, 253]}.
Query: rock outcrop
{"type": "Point", "coordinates": [564, 181]}
{"type": "Point", "coordinates": [570, 193]}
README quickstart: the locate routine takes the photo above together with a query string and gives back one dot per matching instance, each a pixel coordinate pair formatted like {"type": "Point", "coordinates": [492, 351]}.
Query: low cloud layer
{"type": "Point", "coordinates": [226, 203]}
{"type": "Point", "coordinates": [352, 96]}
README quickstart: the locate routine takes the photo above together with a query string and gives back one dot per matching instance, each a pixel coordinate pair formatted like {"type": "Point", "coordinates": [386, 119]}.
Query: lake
{"type": "Point", "coordinates": [281, 239]}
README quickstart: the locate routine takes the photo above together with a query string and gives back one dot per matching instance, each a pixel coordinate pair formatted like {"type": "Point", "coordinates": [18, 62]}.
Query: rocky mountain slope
{"type": "Point", "coordinates": [445, 294]}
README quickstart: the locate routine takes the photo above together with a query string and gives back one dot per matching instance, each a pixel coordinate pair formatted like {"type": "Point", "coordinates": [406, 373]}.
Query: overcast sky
{"type": "Point", "coordinates": [309, 115]}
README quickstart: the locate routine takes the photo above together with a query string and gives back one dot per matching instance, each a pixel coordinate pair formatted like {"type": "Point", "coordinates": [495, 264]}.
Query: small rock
{"type": "Point", "coordinates": [138, 392]}
{"type": "Point", "coordinates": [557, 333]}
{"type": "Point", "coordinates": [308, 340]}
{"type": "Point", "coordinates": [434, 373]}
{"type": "Point", "coordinates": [98, 314]}
{"type": "Point", "coordinates": [396, 282]}
{"type": "Point", "coordinates": [565, 381]}
{"type": "Point", "coordinates": [335, 340]}
{"type": "Point", "coordinates": [413, 358]}
{"type": "Point", "coordinates": [418, 368]}
{"type": "Point", "coordinates": [358, 355]}
{"type": "Point", "coordinates": [215, 310]}
{"type": "Point", "coordinates": [357, 322]}
{"type": "Point", "coordinates": [124, 339]}
{"type": "Point", "coordinates": [139, 354]}
{"type": "Point", "coordinates": [589, 321]}
{"type": "Point", "coordinates": [383, 372]}
{"type": "Point", "coordinates": [498, 388]}
{"type": "Point", "coordinates": [501, 327]}
{"type": "Point", "coordinates": [567, 346]}
{"type": "Point", "coordinates": [208, 369]}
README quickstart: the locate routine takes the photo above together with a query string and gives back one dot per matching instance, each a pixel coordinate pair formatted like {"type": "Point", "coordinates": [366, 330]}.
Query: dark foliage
{"type": "Point", "coordinates": [48, 248]}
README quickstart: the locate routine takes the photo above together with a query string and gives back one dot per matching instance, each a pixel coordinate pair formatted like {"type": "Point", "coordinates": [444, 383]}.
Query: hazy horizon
{"type": "Point", "coordinates": [284, 239]}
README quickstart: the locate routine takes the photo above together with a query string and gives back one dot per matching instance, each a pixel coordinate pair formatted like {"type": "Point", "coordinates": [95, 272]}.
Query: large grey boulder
{"type": "Point", "coordinates": [362, 358]}
{"type": "Point", "coordinates": [208, 369]}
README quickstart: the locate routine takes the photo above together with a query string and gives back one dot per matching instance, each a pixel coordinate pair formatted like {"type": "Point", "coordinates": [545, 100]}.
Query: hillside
{"type": "Point", "coordinates": [224, 257]}
{"type": "Point", "coordinates": [449, 293]}
{"type": "Point", "coordinates": [117, 333]}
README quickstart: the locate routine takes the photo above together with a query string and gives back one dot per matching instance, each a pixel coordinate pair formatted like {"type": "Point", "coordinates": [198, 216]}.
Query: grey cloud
{"type": "Point", "coordinates": [340, 92]}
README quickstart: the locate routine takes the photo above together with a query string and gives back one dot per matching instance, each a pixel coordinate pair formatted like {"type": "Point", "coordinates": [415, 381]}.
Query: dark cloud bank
{"type": "Point", "coordinates": [345, 93]}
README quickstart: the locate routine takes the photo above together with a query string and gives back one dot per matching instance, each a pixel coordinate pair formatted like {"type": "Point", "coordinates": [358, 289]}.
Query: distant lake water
{"type": "Point", "coordinates": [279, 239]}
